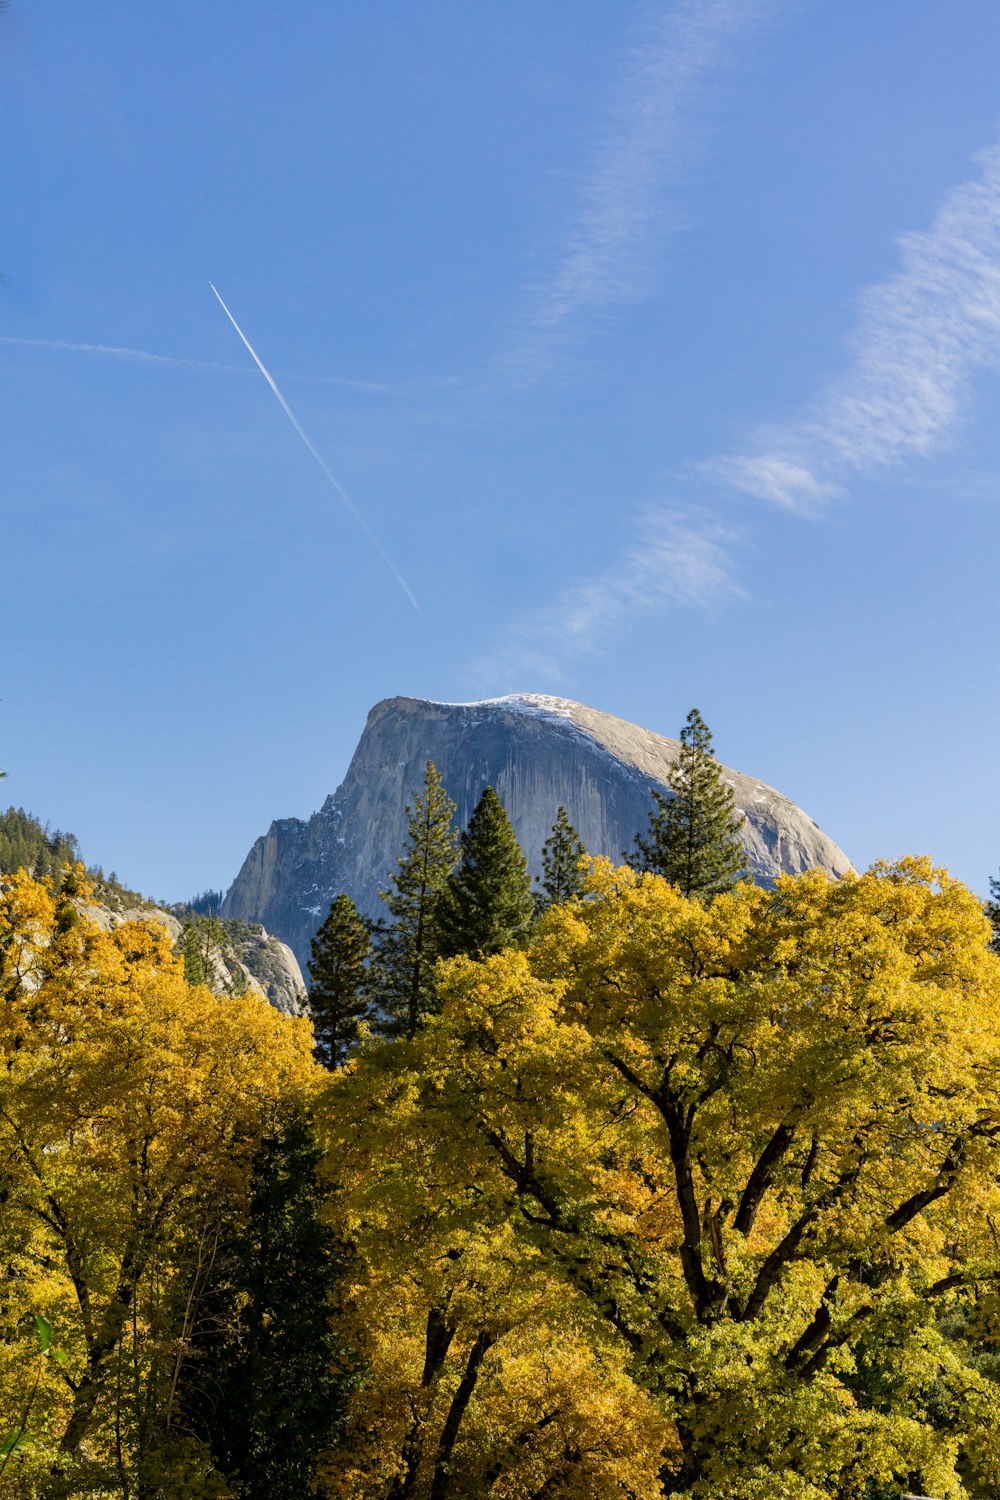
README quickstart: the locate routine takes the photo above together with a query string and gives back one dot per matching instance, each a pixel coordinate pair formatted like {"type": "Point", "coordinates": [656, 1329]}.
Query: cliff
{"type": "Point", "coordinates": [538, 752]}
{"type": "Point", "coordinates": [248, 957]}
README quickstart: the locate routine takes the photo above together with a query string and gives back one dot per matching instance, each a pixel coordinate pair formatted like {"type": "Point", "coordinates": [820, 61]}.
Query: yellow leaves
{"type": "Point", "coordinates": [748, 1149]}
{"type": "Point", "coordinates": [549, 1407]}
{"type": "Point", "coordinates": [131, 1107]}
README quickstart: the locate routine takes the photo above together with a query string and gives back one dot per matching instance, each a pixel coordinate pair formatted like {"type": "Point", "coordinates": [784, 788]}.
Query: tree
{"type": "Point", "coordinates": [410, 945]}
{"type": "Point", "coordinates": [192, 954]}
{"type": "Point", "coordinates": [339, 996]}
{"type": "Point", "coordinates": [992, 908]}
{"type": "Point", "coordinates": [26, 845]}
{"type": "Point", "coordinates": [482, 1377]}
{"type": "Point", "coordinates": [488, 903]}
{"type": "Point", "coordinates": [131, 1107]}
{"type": "Point", "coordinates": [750, 1149]}
{"type": "Point", "coordinates": [562, 874]}
{"type": "Point", "coordinates": [693, 838]}
{"type": "Point", "coordinates": [268, 1382]}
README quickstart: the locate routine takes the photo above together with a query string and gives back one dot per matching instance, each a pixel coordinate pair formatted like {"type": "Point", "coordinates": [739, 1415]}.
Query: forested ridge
{"type": "Point", "coordinates": [646, 1182]}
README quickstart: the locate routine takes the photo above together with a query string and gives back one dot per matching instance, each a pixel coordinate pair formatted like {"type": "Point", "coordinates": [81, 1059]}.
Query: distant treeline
{"type": "Point", "coordinates": [26, 845]}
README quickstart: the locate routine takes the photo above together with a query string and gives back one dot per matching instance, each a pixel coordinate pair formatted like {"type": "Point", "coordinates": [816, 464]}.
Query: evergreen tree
{"type": "Point", "coordinates": [26, 845]}
{"type": "Point", "coordinates": [992, 907]}
{"type": "Point", "coordinates": [191, 953]}
{"type": "Point", "coordinates": [269, 1381]}
{"type": "Point", "coordinates": [562, 877]}
{"type": "Point", "coordinates": [339, 992]}
{"type": "Point", "coordinates": [488, 904]}
{"type": "Point", "coordinates": [693, 835]}
{"type": "Point", "coordinates": [408, 947]}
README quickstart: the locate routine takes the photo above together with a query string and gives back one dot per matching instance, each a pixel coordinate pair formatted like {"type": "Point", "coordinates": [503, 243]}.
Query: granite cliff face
{"type": "Point", "coordinates": [249, 957]}
{"type": "Point", "coordinates": [537, 752]}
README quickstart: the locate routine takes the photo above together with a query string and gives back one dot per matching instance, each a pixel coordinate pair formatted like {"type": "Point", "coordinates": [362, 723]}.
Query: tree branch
{"type": "Point", "coordinates": [761, 1178]}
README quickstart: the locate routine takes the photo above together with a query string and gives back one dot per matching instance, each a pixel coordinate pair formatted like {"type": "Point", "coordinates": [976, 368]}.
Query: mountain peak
{"type": "Point", "coordinates": [539, 752]}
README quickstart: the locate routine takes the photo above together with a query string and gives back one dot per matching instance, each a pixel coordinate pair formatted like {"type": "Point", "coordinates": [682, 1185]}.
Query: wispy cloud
{"type": "Point", "coordinates": [622, 214]}
{"type": "Point", "coordinates": [178, 362]}
{"type": "Point", "coordinates": [920, 337]}
{"type": "Point", "coordinates": [677, 558]}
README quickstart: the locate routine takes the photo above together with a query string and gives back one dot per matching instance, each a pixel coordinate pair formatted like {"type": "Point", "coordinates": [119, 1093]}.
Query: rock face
{"type": "Point", "coordinates": [270, 966]}
{"type": "Point", "coordinates": [249, 958]}
{"type": "Point", "coordinates": [537, 752]}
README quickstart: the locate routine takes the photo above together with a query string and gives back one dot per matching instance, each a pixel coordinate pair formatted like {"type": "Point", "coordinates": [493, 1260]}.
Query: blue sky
{"type": "Point", "coordinates": [656, 345]}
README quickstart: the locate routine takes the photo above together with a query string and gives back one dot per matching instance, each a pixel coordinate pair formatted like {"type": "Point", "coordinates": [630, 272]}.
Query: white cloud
{"type": "Point", "coordinates": [921, 336]}
{"type": "Point", "coordinates": [677, 558]}
{"type": "Point", "coordinates": [622, 217]}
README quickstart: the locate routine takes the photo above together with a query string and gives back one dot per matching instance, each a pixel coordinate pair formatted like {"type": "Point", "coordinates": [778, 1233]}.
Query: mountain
{"type": "Point", "coordinates": [538, 753]}
{"type": "Point", "coordinates": [243, 956]}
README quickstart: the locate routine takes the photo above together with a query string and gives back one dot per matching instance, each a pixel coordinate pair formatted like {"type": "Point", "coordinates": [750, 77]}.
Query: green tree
{"type": "Point", "coordinates": [191, 953]}
{"type": "Point", "coordinates": [339, 996]}
{"type": "Point", "coordinates": [269, 1382]}
{"type": "Point", "coordinates": [992, 908]}
{"type": "Point", "coordinates": [26, 845]}
{"type": "Point", "coordinates": [409, 946]}
{"type": "Point", "coordinates": [693, 838]}
{"type": "Point", "coordinates": [562, 875]}
{"type": "Point", "coordinates": [488, 904]}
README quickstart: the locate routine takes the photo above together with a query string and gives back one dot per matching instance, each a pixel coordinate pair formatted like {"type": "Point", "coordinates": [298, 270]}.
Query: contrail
{"type": "Point", "coordinates": [144, 356]}
{"type": "Point", "coordinates": [115, 351]}
{"type": "Point", "coordinates": [334, 481]}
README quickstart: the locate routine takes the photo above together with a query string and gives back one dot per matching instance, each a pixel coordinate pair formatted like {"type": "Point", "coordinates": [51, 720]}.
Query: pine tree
{"type": "Point", "coordinates": [992, 907]}
{"type": "Point", "coordinates": [191, 952]}
{"type": "Point", "coordinates": [270, 1381]}
{"type": "Point", "coordinates": [562, 877]}
{"type": "Point", "coordinates": [339, 992]}
{"type": "Point", "coordinates": [693, 837]}
{"type": "Point", "coordinates": [408, 947]}
{"type": "Point", "coordinates": [26, 845]}
{"type": "Point", "coordinates": [488, 904]}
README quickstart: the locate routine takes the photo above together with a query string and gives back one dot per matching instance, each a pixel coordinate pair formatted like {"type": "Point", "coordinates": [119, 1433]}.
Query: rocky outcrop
{"type": "Point", "coordinates": [246, 958]}
{"type": "Point", "coordinates": [270, 966]}
{"type": "Point", "coordinates": [537, 752]}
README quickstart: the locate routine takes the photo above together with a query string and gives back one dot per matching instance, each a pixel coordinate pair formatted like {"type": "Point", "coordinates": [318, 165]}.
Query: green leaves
{"type": "Point", "coordinates": [44, 1328]}
{"type": "Point", "coordinates": [13, 1439]}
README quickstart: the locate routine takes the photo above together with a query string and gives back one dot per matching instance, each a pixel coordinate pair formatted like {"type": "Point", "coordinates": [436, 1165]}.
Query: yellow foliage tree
{"type": "Point", "coordinates": [131, 1105]}
{"type": "Point", "coordinates": [723, 1177]}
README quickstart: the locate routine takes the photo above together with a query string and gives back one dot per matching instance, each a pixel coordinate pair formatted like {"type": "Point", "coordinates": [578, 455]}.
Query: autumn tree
{"type": "Point", "coordinates": [563, 875]}
{"type": "Point", "coordinates": [487, 904]}
{"type": "Point", "coordinates": [131, 1106]}
{"type": "Point", "coordinates": [339, 989]}
{"type": "Point", "coordinates": [481, 1378]}
{"type": "Point", "coordinates": [749, 1148]}
{"type": "Point", "coordinates": [693, 835]}
{"type": "Point", "coordinates": [409, 946]}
